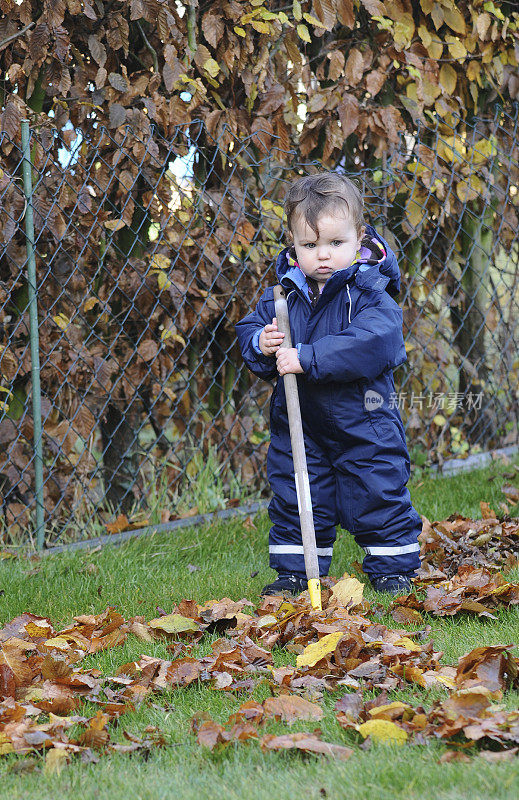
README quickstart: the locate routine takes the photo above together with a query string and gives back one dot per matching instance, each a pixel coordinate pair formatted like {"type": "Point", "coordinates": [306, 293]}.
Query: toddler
{"type": "Point", "coordinates": [340, 278]}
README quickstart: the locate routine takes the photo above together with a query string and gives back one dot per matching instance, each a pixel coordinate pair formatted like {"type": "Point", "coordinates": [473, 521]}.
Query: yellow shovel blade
{"type": "Point", "coordinates": [314, 590]}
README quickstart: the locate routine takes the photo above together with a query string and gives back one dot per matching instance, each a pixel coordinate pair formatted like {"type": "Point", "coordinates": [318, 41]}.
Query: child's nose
{"type": "Point", "coordinates": [324, 251]}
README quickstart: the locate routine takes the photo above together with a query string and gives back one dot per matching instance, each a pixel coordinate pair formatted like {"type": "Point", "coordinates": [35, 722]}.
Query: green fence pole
{"type": "Point", "coordinates": [35, 343]}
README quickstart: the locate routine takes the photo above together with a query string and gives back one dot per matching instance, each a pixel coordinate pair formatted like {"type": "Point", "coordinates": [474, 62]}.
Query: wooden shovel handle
{"type": "Point", "coordinates": [298, 446]}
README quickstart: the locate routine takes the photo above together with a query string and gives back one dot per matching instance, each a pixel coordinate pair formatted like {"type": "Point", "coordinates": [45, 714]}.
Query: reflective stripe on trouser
{"type": "Point", "coordinates": [285, 542]}
{"type": "Point", "coordinates": [363, 488]}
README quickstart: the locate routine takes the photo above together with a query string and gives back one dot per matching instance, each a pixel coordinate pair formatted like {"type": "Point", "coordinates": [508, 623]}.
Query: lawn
{"type": "Point", "coordinates": [229, 559]}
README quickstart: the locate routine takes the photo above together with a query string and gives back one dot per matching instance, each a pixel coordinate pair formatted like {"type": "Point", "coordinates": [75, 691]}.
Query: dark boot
{"type": "Point", "coordinates": [286, 584]}
{"type": "Point", "coordinates": [391, 584]}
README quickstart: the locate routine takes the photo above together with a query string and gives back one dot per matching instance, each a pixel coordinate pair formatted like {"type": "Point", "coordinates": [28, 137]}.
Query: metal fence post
{"type": "Point", "coordinates": [35, 343]}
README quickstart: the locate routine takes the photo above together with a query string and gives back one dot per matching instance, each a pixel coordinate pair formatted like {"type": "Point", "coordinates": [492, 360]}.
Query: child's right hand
{"type": "Point", "coordinates": [270, 339]}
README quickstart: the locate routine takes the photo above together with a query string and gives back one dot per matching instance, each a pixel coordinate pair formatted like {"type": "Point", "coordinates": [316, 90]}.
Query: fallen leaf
{"type": "Point", "coordinates": [291, 707]}
{"type": "Point", "coordinates": [315, 652]}
{"type": "Point", "coordinates": [348, 591]}
{"type": "Point", "coordinates": [407, 616]}
{"type": "Point", "coordinates": [454, 755]}
{"type": "Point", "coordinates": [307, 742]}
{"type": "Point", "coordinates": [55, 760]}
{"type": "Point", "coordinates": [173, 624]}
{"type": "Point", "coordinates": [382, 730]}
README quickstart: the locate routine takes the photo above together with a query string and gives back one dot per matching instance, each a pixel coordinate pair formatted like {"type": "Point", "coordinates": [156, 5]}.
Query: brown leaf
{"type": "Point", "coordinates": [486, 511]}
{"type": "Point", "coordinates": [375, 81]}
{"type": "Point", "coordinates": [467, 703]}
{"type": "Point", "coordinates": [289, 707]}
{"type": "Point", "coordinates": [348, 110]}
{"type": "Point", "coordinates": [184, 671]}
{"type": "Point", "coordinates": [407, 616]}
{"type": "Point", "coordinates": [120, 524]}
{"type": "Point", "coordinates": [454, 755]}
{"type": "Point", "coordinates": [97, 50]}
{"type": "Point", "coordinates": [213, 28]}
{"type": "Point", "coordinates": [349, 706]}
{"type": "Point", "coordinates": [307, 742]}
{"type": "Point", "coordinates": [251, 711]}
{"type": "Point", "coordinates": [499, 755]}
{"type": "Point", "coordinates": [354, 67]}
{"type": "Point", "coordinates": [491, 667]}
{"type": "Point", "coordinates": [148, 349]}
{"type": "Point", "coordinates": [7, 682]}
{"type": "Point", "coordinates": [96, 735]}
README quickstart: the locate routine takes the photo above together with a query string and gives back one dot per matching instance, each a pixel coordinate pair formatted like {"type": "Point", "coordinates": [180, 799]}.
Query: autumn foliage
{"type": "Point", "coordinates": [344, 650]}
{"type": "Point", "coordinates": [142, 273]}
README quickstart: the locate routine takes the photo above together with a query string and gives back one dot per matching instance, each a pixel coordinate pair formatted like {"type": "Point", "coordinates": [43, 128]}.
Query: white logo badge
{"type": "Point", "coordinates": [372, 400]}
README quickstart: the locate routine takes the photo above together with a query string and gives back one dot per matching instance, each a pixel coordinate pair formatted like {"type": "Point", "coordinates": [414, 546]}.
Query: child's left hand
{"type": "Point", "coordinates": [287, 361]}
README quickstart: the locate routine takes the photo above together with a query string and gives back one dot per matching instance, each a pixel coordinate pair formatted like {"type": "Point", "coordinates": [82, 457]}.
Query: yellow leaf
{"type": "Point", "coordinates": [212, 67]}
{"type": "Point", "coordinates": [58, 642]}
{"type": "Point", "coordinates": [302, 32]}
{"type": "Point", "coordinates": [314, 652]}
{"type": "Point", "coordinates": [439, 419]}
{"type": "Point", "coordinates": [266, 622]}
{"type": "Point", "coordinates": [348, 591]}
{"type": "Point", "coordinates": [55, 760]}
{"type": "Point", "coordinates": [469, 190]}
{"type": "Point", "coordinates": [452, 149]}
{"type": "Point", "coordinates": [163, 281]}
{"type": "Point", "coordinates": [382, 730]}
{"type": "Point", "coordinates": [449, 682]}
{"type": "Point", "coordinates": [61, 321]}
{"type": "Point", "coordinates": [173, 623]}
{"type": "Point", "coordinates": [5, 745]}
{"type": "Point", "coordinates": [473, 70]}
{"type": "Point", "coordinates": [170, 334]}
{"type": "Point", "coordinates": [114, 224]}
{"type": "Point", "coordinates": [313, 20]}
{"type": "Point", "coordinates": [261, 27]}
{"type": "Point", "coordinates": [240, 31]}
{"type": "Point", "coordinates": [448, 78]}
{"type": "Point", "coordinates": [456, 48]}
{"type": "Point", "coordinates": [415, 207]}
{"type": "Point", "coordinates": [454, 19]}
{"type": "Point", "coordinates": [408, 643]}
{"type": "Point", "coordinates": [483, 149]}
{"type": "Point", "coordinates": [435, 49]}
{"type": "Point", "coordinates": [387, 709]}
{"type": "Point", "coordinates": [404, 30]}
{"type": "Point", "coordinates": [160, 261]}
{"type": "Point", "coordinates": [90, 303]}
{"type": "Point", "coordinates": [296, 10]}
{"type": "Point", "coordinates": [425, 35]}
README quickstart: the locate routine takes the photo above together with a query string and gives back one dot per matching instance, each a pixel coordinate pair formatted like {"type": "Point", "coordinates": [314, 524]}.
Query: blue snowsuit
{"type": "Point", "coordinates": [358, 463]}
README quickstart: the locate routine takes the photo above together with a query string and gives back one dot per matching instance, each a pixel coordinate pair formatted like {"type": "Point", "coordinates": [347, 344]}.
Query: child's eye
{"type": "Point", "coordinates": [337, 242]}
{"type": "Point", "coordinates": [309, 244]}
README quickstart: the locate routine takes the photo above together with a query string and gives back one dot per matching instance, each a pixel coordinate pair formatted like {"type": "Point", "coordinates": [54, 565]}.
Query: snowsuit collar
{"type": "Point", "coordinates": [374, 260]}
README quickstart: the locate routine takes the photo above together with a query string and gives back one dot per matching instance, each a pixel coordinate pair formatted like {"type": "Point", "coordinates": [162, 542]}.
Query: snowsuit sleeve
{"type": "Point", "coordinates": [372, 342]}
{"type": "Point", "coordinates": [262, 366]}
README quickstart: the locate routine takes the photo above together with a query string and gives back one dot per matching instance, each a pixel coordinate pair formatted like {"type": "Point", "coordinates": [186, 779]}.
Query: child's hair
{"type": "Point", "coordinates": [313, 195]}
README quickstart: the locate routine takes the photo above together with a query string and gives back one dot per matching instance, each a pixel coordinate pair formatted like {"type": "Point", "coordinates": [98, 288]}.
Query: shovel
{"type": "Point", "coordinates": [304, 500]}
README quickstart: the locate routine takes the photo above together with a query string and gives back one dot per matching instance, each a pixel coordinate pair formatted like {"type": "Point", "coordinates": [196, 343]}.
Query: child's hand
{"type": "Point", "coordinates": [270, 339]}
{"type": "Point", "coordinates": [287, 361]}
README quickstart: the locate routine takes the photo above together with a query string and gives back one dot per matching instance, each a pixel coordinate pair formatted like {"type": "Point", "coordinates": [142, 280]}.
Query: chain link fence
{"type": "Point", "coordinates": [148, 251]}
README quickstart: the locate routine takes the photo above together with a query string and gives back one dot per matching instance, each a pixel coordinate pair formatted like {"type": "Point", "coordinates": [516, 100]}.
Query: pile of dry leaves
{"type": "Point", "coordinates": [487, 542]}
{"type": "Point", "coordinates": [344, 647]}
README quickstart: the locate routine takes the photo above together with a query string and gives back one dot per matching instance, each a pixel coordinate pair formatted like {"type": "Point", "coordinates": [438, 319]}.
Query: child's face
{"type": "Point", "coordinates": [334, 248]}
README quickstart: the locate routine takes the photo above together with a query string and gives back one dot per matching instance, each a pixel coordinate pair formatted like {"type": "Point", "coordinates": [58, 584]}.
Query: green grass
{"type": "Point", "coordinates": [144, 574]}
